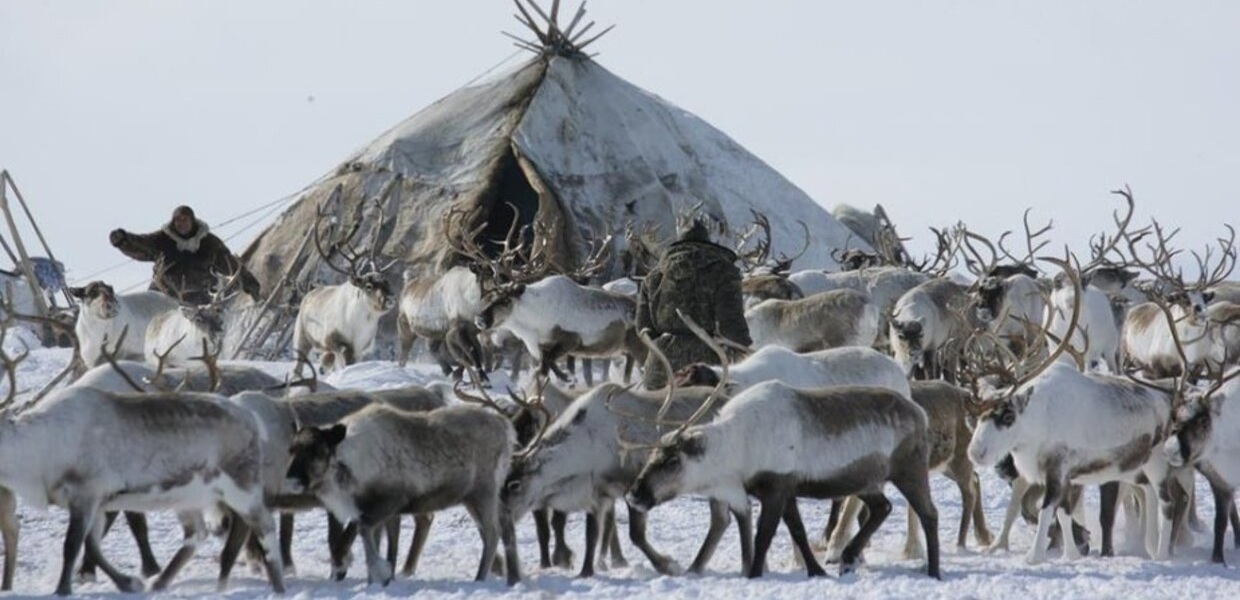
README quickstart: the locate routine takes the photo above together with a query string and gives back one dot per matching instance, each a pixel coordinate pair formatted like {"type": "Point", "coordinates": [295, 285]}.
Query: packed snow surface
{"type": "Point", "coordinates": [677, 528]}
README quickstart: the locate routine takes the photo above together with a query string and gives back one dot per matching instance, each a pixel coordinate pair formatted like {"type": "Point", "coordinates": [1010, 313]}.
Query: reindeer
{"type": "Point", "coordinates": [821, 321]}
{"type": "Point", "coordinates": [926, 327]}
{"type": "Point", "coordinates": [281, 418]}
{"type": "Point", "coordinates": [779, 443]}
{"type": "Point", "coordinates": [885, 285]}
{"type": "Point", "coordinates": [1204, 433]}
{"type": "Point", "coordinates": [174, 335]}
{"type": "Point", "coordinates": [1008, 298]}
{"type": "Point", "coordinates": [104, 314]}
{"type": "Point", "coordinates": [343, 319]}
{"type": "Point", "coordinates": [584, 463]}
{"type": "Point", "coordinates": [1152, 342]}
{"type": "Point", "coordinates": [556, 316]}
{"type": "Point", "coordinates": [442, 308]}
{"type": "Point", "coordinates": [1062, 426]}
{"type": "Point", "coordinates": [449, 456]}
{"type": "Point", "coordinates": [209, 453]}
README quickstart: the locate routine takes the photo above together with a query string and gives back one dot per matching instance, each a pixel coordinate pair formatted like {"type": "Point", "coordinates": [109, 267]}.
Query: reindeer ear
{"type": "Point", "coordinates": [188, 312]}
{"type": "Point", "coordinates": [334, 435]}
{"type": "Point", "coordinates": [77, 292]}
{"type": "Point", "coordinates": [1207, 296]}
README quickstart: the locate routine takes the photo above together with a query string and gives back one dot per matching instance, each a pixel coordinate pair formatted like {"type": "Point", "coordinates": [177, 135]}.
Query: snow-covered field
{"type": "Point", "coordinates": [452, 552]}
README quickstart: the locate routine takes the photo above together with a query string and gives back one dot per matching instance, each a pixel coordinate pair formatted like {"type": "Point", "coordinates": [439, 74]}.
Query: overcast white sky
{"type": "Point", "coordinates": [112, 113]}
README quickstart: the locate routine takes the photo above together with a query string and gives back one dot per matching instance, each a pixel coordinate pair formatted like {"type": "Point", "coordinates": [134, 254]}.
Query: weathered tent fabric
{"type": "Point", "coordinates": [593, 150]}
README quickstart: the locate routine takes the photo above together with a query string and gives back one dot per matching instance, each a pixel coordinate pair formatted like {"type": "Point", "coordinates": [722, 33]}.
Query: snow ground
{"type": "Point", "coordinates": [677, 528]}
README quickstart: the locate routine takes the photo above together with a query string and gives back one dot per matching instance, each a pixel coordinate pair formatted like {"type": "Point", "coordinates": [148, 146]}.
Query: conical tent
{"type": "Point", "coordinates": [560, 139]}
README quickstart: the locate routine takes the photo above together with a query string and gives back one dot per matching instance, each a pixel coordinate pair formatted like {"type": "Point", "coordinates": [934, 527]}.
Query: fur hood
{"type": "Point", "coordinates": [191, 243]}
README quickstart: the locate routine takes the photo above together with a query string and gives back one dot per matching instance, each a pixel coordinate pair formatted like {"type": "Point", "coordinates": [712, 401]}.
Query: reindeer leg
{"type": "Point", "coordinates": [914, 485]}
{"type": "Point", "coordinates": [879, 507]}
{"type": "Point", "coordinates": [563, 555]}
{"type": "Point", "coordinates": [1233, 515]}
{"type": "Point", "coordinates": [981, 533]}
{"type": "Point", "coordinates": [286, 542]}
{"type": "Point", "coordinates": [611, 540]}
{"type": "Point", "coordinates": [340, 541]}
{"type": "Point", "coordinates": [843, 529]}
{"type": "Point", "coordinates": [1019, 488]}
{"type": "Point", "coordinates": [592, 535]}
{"type": "Point", "coordinates": [87, 570]}
{"type": "Point", "coordinates": [10, 529]}
{"type": "Point", "coordinates": [126, 583]}
{"type": "Point", "coordinates": [1109, 500]}
{"type": "Point", "coordinates": [542, 526]}
{"type": "Point", "coordinates": [1051, 498]}
{"type": "Point", "coordinates": [637, 535]}
{"type": "Point", "coordinates": [137, 526]}
{"type": "Point", "coordinates": [195, 532]}
{"type": "Point", "coordinates": [719, 519]}
{"type": "Point", "coordinates": [511, 559]}
{"type": "Point", "coordinates": [404, 333]}
{"type": "Point", "coordinates": [81, 514]}
{"type": "Point", "coordinates": [1223, 499]}
{"type": "Point", "coordinates": [485, 512]}
{"type": "Point", "coordinates": [238, 535]}
{"type": "Point", "coordinates": [773, 501]}
{"type": "Point", "coordinates": [792, 519]}
{"type": "Point", "coordinates": [744, 525]}
{"type": "Point", "coordinates": [421, 530]}
{"type": "Point", "coordinates": [377, 569]}
{"type": "Point", "coordinates": [393, 540]}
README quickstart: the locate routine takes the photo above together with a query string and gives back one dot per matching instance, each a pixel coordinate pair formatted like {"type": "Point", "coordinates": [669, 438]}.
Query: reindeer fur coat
{"type": "Point", "coordinates": [700, 279]}
{"type": "Point", "coordinates": [185, 266]}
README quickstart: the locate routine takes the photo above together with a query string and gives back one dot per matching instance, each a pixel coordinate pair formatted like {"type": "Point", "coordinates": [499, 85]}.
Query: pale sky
{"type": "Point", "coordinates": [113, 113]}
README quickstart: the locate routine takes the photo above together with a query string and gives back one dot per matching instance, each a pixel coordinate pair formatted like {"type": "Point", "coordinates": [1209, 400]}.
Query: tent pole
{"type": "Point", "coordinates": [283, 282]}
{"type": "Point", "coordinates": [26, 209]}
{"type": "Point", "coordinates": [5, 244]}
{"type": "Point", "coordinates": [39, 302]}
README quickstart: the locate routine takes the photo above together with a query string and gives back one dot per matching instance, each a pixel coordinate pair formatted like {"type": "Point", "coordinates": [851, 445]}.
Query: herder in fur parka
{"type": "Point", "coordinates": [187, 257]}
{"type": "Point", "coordinates": [700, 278]}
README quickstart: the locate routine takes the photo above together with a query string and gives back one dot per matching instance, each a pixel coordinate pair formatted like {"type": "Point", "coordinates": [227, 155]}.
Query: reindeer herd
{"type": "Point", "coordinates": [1061, 372]}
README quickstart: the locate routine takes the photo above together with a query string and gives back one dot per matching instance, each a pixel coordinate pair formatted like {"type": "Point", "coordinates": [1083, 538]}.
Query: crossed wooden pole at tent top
{"type": "Point", "coordinates": [23, 258]}
{"type": "Point", "coordinates": [550, 37]}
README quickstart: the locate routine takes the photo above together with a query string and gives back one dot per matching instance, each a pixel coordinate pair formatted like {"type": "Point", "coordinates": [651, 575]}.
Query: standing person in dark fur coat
{"type": "Point", "coordinates": [699, 278]}
{"type": "Point", "coordinates": [188, 258]}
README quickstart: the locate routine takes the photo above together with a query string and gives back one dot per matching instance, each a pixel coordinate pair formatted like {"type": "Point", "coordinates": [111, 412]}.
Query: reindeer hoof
{"type": "Point", "coordinates": [1035, 558]}
{"type": "Point", "coordinates": [667, 566]}
{"type": "Point", "coordinates": [151, 569]}
{"type": "Point", "coordinates": [563, 560]}
{"type": "Point", "coordinates": [131, 585]}
{"type": "Point", "coordinates": [996, 547]}
{"type": "Point", "coordinates": [913, 553]}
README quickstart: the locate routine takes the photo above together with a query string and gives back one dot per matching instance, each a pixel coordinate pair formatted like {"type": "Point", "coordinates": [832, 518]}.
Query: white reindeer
{"type": "Point", "coordinates": [104, 316]}
{"type": "Point", "coordinates": [454, 455]}
{"type": "Point", "coordinates": [779, 443]}
{"type": "Point", "coordinates": [166, 451]}
{"type": "Point", "coordinates": [1205, 434]}
{"type": "Point", "coordinates": [821, 321]}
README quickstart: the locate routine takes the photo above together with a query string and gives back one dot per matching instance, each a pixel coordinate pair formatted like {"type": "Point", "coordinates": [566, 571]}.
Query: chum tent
{"type": "Point", "coordinates": [561, 139]}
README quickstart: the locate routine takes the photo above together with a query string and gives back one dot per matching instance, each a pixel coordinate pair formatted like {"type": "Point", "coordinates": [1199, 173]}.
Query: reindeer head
{"type": "Point", "coordinates": [312, 450]}
{"type": "Point", "coordinates": [997, 425]}
{"type": "Point", "coordinates": [497, 305]}
{"type": "Point", "coordinates": [207, 318]}
{"type": "Point", "coordinates": [910, 334]}
{"type": "Point", "coordinates": [1189, 432]}
{"type": "Point", "coordinates": [670, 470]}
{"type": "Point", "coordinates": [1112, 278]}
{"type": "Point", "coordinates": [375, 287]}
{"type": "Point", "coordinates": [990, 292]}
{"type": "Point", "coordinates": [99, 298]}
{"type": "Point", "coordinates": [695, 375]}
